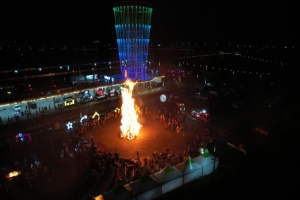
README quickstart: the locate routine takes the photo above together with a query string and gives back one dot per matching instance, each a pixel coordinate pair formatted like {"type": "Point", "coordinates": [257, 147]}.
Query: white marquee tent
{"type": "Point", "coordinates": [146, 187]}
{"type": "Point", "coordinates": [207, 161]}
{"type": "Point", "coordinates": [170, 177]}
{"type": "Point", "coordinates": [118, 192]}
{"type": "Point", "coordinates": [152, 186]}
{"type": "Point", "coordinates": [190, 169]}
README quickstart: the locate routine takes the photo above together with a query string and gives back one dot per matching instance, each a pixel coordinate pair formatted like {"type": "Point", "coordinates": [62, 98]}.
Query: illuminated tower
{"type": "Point", "coordinates": [132, 25]}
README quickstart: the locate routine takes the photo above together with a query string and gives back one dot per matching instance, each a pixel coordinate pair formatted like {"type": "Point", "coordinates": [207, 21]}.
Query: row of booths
{"type": "Point", "coordinates": [153, 186]}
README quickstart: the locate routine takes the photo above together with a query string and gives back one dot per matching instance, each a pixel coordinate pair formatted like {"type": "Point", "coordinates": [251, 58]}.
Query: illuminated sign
{"type": "Point", "coordinates": [69, 101]}
{"type": "Point", "coordinates": [91, 77]}
{"type": "Point", "coordinates": [86, 94]}
{"type": "Point", "coordinates": [107, 77]}
{"type": "Point", "coordinates": [100, 93]}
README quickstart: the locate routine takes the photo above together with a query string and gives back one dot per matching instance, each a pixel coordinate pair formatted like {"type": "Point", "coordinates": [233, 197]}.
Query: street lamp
{"type": "Point", "coordinates": [110, 71]}
{"type": "Point", "coordinates": [214, 164]}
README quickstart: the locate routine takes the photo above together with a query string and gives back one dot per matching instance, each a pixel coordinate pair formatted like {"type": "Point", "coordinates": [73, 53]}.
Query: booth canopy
{"type": "Point", "coordinates": [145, 183]}
{"type": "Point", "coordinates": [188, 166]}
{"type": "Point", "coordinates": [119, 192]}
{"type": "Point", "coordinates": [167, 174]}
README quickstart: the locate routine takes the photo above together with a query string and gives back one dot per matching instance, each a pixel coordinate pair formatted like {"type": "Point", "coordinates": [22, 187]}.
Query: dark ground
{"type": "Point", "coordinates": [269, 172]}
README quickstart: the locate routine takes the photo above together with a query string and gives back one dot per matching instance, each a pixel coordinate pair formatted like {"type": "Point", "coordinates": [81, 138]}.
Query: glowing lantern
{"type": "Point", "coordinates": [130, 126]}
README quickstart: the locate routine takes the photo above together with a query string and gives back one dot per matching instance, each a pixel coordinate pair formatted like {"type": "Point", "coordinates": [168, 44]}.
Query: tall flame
{"type": "Point", "coordinates": [130, 126]}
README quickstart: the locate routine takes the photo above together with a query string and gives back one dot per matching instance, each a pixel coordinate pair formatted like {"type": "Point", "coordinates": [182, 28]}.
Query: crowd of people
{"type": "Point", "coordinates": [106, 166]}
{"type": "Point", "coordinates": [124, 170]}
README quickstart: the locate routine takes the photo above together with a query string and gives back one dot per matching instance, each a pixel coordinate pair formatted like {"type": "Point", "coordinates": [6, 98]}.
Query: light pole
{"type": "Point", "coordinates": [214, 164]}
{"type": "Point", "coordinates": [110, 78]}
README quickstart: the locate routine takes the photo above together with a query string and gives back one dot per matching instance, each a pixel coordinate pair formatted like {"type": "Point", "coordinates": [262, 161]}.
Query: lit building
{"type": "Point", "coordinates": [132, 25]}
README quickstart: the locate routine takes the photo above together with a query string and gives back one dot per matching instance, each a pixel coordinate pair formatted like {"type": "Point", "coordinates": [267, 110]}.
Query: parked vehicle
{"type": "Point", "coordinates": [17, 108]}
{"type": "Point", "coordinates": [32, 105]}
{"type": "Point", "coordinates": [201, 114]}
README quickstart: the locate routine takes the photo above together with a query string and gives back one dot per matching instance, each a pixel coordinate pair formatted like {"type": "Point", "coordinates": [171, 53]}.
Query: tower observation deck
{"type": "Point", "coordinates": [132, 25]}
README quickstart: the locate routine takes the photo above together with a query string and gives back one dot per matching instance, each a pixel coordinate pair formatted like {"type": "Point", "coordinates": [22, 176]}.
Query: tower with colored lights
{"type": "Point", "coordinates": [132, 25]}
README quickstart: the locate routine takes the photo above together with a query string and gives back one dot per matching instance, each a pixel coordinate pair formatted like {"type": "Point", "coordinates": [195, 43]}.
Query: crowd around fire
{"type": "Point", "coordinates": [105, 166]}
{"type": "Point", "coordinates": [110, 166]}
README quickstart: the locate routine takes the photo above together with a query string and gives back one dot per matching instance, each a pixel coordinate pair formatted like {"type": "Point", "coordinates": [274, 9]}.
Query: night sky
{"type": "Point", "coordinates": [190, 21]}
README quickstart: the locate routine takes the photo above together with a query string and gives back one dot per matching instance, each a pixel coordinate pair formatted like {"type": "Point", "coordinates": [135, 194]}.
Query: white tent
{"type": "Point", "coordinates": [170, 177]}
{"type": "Point", "coordinates": [207, 161]}
{"type": "Point", "coordinates": [146, 187]}
{"type": "Point", "coordinates": [118, 192]}
{"type": "Point", "coordinates": [190, 169]}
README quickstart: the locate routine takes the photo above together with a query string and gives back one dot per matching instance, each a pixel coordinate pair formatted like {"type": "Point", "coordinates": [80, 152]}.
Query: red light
{"type": "Point", "coordinates": [54, 86]}
{"type": "Point", "coordinates": [30, 89]}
